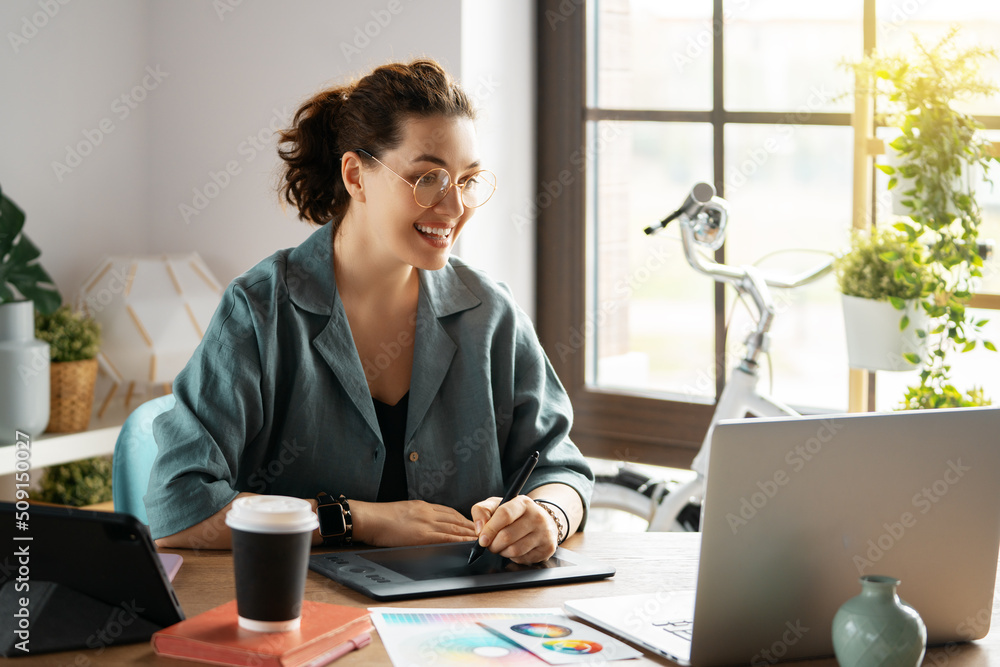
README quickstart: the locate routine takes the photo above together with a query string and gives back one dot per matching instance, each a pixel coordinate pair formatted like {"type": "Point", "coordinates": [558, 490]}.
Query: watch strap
{"type": "Point", "coordinates": [335, 524]}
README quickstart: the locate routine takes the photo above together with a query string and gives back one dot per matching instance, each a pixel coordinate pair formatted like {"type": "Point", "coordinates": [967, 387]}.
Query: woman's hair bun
{"type": "Point", "coordinates": [367, 113]}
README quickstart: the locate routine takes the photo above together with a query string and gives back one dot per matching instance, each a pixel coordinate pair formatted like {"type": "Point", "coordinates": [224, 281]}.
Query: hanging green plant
{"type": "Point", "coordinates": [941, 154]}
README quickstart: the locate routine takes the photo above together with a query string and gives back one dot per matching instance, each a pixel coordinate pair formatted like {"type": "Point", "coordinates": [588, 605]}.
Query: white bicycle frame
{"type": "Point", "coordinates": [740, 395]}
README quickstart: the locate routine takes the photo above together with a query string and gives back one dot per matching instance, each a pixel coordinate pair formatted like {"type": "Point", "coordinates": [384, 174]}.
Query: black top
{"type": "Point", "coordinates": [392, 423]}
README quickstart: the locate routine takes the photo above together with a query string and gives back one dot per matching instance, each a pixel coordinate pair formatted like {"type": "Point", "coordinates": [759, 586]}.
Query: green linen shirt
{"type": "Point", "coordinates": [274, 400]}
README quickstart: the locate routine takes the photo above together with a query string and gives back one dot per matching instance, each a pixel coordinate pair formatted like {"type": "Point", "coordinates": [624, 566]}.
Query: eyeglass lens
{"type": "Point", "coordinates": [433, 186]}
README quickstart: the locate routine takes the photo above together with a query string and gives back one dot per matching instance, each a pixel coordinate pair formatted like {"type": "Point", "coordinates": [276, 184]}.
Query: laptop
{"type": "Point", "coordinates": [797, 509]}
{"type": "Point", "coordinates": [79, 579]}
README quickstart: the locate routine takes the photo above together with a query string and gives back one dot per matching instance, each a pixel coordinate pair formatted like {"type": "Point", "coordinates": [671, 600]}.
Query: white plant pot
{"type": "Point", "coordinates": [874, 340]}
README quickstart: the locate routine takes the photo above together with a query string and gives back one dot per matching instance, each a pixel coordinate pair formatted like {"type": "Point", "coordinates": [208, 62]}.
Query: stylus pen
{"type": "Point", "coordinates": [515, 488]}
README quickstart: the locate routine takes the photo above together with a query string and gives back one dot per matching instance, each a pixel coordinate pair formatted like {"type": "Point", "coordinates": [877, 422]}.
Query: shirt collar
{"type": "Point", "coordinates": [311, 285]}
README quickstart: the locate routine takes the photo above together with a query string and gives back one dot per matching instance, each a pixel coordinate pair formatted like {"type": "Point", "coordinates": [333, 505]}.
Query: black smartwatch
{"type": "Point", "coordinates": [334, 520]}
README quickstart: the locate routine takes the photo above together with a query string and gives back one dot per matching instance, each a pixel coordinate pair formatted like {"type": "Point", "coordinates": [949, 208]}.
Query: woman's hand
{"type": "Point", "coordinates": [408, 523]}
{"type": "Point", "coordinates": [519, 530]}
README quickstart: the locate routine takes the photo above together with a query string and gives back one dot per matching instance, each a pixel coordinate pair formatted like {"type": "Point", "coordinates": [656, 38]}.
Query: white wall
{"type": "Point", "coordinates": [498, 70]}
{"type": "Point", "coordinates": [243, 76]}
{"type": "Point", "coordinates": [209, 80]}
{"type": "Point", "coordinates": [59, 82]}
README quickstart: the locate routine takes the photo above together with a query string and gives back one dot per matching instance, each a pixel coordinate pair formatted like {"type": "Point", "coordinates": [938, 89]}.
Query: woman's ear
{"type": "Point", "coordinates": [352, 173]}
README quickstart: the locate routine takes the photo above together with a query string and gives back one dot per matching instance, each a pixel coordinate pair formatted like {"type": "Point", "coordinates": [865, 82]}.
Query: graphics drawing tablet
{"type": "Point", "coordinates": [442, 569]}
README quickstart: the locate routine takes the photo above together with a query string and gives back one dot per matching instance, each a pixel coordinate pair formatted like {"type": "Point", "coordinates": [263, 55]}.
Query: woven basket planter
{"type": "Point", "coordinates": [72, 395]}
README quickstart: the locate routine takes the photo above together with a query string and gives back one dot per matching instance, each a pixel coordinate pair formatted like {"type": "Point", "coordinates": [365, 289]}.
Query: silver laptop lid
{"type": "Point", "coordinates": [797, 509]}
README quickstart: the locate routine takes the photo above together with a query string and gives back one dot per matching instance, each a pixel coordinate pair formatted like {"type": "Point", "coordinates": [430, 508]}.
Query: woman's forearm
{"type": "Point", "coordinates": [213, 533]}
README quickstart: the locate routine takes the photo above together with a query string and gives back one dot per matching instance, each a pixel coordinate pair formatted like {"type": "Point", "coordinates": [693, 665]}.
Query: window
{"type": "Point", "coordinates": [639, 100]}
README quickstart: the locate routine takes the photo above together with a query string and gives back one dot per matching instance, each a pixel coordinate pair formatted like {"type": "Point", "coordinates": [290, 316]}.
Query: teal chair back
{"type": "Point", "coordinates": [133, 458]}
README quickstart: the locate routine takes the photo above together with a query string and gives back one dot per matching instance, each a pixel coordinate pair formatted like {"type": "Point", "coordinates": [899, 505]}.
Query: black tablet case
{"type": "Point", "coordinates": [94, 580]}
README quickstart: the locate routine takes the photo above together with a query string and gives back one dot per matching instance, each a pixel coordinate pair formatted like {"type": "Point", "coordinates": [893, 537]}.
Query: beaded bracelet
{"type": "Point", "coordinates": [544, 504]}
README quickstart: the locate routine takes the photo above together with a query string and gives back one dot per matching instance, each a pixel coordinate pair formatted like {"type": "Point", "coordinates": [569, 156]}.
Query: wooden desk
{"type": "Point", "coordinates": [645, 562]}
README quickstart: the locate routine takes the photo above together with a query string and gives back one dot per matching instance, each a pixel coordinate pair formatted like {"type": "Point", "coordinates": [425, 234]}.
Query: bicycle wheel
{"type": "Point", "coordinates": [637, 494]}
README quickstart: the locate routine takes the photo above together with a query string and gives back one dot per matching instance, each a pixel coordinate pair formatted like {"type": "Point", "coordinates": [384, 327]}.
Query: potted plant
{"type": "Point", "coordinates": [882, 279]}
{"type": "Point", "coordinates": [24, 361]}
{"type": "Point", "coordinates": [74, 339]}
{"type": "Point", "coordinates": [938, 149]}
{"type": "Point", "coordinates": [77, 483]}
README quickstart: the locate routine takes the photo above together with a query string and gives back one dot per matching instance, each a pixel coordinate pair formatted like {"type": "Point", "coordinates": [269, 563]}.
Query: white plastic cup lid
{"type": "Point", "coordinates": [272, 514]}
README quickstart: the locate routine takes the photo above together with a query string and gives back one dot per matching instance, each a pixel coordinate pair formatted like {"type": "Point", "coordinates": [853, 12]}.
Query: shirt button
{"type": "Point", "coordinates": [414, 456]}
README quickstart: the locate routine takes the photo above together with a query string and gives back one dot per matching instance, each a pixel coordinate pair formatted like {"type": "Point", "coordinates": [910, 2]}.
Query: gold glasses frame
{"type": "Point", "coordinates": [452, 183]}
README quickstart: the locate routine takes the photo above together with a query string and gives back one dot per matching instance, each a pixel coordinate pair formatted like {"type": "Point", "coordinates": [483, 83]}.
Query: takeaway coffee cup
{"type": "Point", "coordinates": [271, 540]}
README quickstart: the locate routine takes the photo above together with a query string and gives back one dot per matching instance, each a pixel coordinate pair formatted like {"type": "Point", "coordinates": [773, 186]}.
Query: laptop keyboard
{"type": "Point", "coordinates": [680, 628]}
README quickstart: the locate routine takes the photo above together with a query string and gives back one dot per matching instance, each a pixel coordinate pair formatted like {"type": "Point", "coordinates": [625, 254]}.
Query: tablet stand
{"type": "Point", "coordinates": [61, 619]}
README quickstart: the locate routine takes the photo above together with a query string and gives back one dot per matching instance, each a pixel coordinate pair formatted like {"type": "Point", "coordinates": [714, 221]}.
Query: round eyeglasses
{"type": "Point", "coordinates": [431, 188]}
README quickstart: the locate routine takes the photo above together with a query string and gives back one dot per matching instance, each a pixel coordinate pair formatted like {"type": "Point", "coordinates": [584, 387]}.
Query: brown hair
{"type": "Point", "coordinates": [367, 114]}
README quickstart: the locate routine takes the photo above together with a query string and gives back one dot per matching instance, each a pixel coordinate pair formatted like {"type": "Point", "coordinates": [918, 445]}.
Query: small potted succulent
{"type": "Point", "coordinates": [74, 340]}
{"type": "Point", "coordinates": [882, 279]}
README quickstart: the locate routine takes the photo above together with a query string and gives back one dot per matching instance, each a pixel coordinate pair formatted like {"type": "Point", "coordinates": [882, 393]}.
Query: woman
{"type": "Point", "coordinates": [368, 370]}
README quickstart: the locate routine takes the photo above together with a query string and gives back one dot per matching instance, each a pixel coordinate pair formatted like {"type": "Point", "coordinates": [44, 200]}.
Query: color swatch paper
{"type": "Point", "coordinates": [441, 637]}
{"type": "Point", "coordinates": [558, 640]}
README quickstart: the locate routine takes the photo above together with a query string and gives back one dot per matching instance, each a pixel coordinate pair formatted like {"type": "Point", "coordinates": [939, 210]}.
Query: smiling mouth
{"type": "Point", "coordinates": [434, 232]}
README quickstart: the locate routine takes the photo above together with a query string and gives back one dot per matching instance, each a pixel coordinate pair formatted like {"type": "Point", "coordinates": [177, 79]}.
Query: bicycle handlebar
{"type": "Point", "coordinates": [731, 274]}
{"type": "Point", "coordinates": [697, 206]}
{"type": "Point", "coordinates": [703, 222]}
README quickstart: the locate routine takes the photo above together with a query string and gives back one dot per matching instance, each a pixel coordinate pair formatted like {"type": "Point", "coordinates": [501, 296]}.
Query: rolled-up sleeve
{"type": "Point", "coordinates": [200, 442]}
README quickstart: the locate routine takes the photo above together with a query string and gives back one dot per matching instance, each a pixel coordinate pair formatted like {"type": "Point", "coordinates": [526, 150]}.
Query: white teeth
{"type": "Point", "coordinates": [439, 232]}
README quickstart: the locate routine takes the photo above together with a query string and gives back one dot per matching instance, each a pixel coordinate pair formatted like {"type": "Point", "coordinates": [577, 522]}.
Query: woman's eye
{"type": "Point", "coordinates": [428, 180]}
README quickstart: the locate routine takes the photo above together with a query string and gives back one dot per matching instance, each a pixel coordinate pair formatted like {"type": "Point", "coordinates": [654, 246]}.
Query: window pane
{"type": "Point", "coordinates": [789, 188]}
{"type": "Point", "coordinates": [979, 23]}
{"type": "Point", "coordinates": [784, 55]}
{"type": "Point", "coordinates": [653, 313]}
{"type": "Point", "coordinates": [650, 54]}
{"type": "Point", "coordinates": [988, 196]}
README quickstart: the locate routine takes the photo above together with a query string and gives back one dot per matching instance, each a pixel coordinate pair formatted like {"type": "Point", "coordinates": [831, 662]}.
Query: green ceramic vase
{"type": "Point", "coordinates": [876, 628]}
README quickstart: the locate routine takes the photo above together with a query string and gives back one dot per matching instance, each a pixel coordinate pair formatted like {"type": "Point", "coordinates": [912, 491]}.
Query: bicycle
{"type": "Point", "coordinates": [703, 218]}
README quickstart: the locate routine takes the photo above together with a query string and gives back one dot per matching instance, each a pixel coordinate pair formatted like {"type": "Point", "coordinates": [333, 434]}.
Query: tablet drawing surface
{"type": "Point", "coordinates": [443, 569]}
